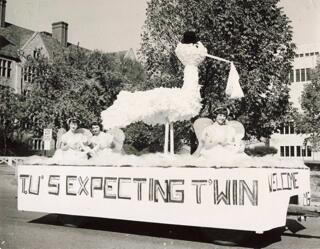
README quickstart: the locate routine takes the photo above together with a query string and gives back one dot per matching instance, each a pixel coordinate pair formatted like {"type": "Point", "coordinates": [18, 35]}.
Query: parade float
{"type": "Point", "coordinates": [222, 187]}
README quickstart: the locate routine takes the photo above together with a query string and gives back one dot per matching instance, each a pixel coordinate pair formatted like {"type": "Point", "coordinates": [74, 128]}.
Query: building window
{"type": "Point", "coordinates": [36, 53]}
{"type": "Point", "coordinates": [287, 128]}
{"type": "Point", "coordinates": [301, 55]}
{"type": "Point", "coordinates": [291, 76]}
{"type": "Point", "coordinates": [28, 74]}
{"type": "Point", "coordinates": [295, 151]}
{"type": "Point", "coordinates": [2, 67]}
{"type": "Point", "coordinates": [316, 53]}
{"type": "Point", "coordinates": [307, 54]}
{"type": "Point", "coordinates": [282, 151]}
{"type": "Point", "coordinates": [303, 74]}
{"type": "Point", "coordinates": [308, 70]}
{"type": "Point", "coordinates": [9, 69]}
{"type": "Point", "coordinates": [291, 150]}
{"type": "Point", "coordinates": [5, 68]}
{"type": "Point", "coordinates": [287, 151]}
{"type": "Point", "coordinates": [291, 128]}
{"type": "Point", "coordinates": [297, 75]}
{"type": "Point", "coordinates": [281, 129]}
{"type": "Point", "coordinates": [303, 152]}
{"type": "Point", "coordinates": [309, 152]}
{"type": "Point", "coordinates": [298, 151]}
{"type": "Point", "coordinates": [306, 151]}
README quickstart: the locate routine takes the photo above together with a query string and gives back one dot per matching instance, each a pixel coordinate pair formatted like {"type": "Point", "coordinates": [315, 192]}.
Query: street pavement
{"type": "Point", "coordinates": [31, 230]}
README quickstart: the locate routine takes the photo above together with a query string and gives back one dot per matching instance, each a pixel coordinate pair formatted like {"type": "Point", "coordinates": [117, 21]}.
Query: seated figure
{"type": "Point", "coordinates": [105, 142]}
{"type": "Point", "coordinates": [219, 136]}
{"type": "Point", "coordinates": [72, 145]}
{"type": "Point", "coordinates": [100, 141]}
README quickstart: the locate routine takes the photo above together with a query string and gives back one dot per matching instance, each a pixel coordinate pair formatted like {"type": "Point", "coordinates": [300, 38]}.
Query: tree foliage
{"type": "Point", "coordinates": [76, 83]}
{"type": "Point", "coordinates": [255, 35]}
{"type": "Point", "coordinates": [309, 120]}
{"type": "Point", "coordinates": [9, 104]}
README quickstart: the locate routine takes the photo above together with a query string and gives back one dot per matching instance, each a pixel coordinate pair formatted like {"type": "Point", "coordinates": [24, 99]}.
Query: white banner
{"type": "Point", "coordinates": [254, 199]}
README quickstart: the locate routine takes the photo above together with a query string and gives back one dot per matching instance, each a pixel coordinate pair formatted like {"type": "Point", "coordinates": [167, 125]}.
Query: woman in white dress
{"type": "Point", "coordinates": [73, 145]}
{"type": "Point", "coordinates": [222, 139]}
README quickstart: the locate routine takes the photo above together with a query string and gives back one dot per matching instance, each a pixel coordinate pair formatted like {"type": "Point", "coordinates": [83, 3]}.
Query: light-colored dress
{"type": "Point", "coordinates": [101, 143]}
{"type": "Point", "coordinates": [161, 105]}
{"type": "Point", "coordinates": [76, 149]}
{"type": "Point", "coordinates": [220, 143]}
{"type": "Point", "coordinates": [216, 134]}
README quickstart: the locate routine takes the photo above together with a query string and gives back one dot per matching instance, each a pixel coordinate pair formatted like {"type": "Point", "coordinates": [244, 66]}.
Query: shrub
{"type": "Point", "coordinates": [261, 151]}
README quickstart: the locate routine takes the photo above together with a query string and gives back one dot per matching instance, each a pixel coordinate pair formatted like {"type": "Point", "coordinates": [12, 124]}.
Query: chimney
{"type": "Point", "coordinates": [60, 32]}
{"type": "Point", "coordinates": [3, 13]}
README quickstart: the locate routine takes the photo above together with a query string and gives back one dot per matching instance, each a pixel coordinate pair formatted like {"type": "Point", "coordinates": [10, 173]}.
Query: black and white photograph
{"type": "Point", "coordinates": [159, 124]}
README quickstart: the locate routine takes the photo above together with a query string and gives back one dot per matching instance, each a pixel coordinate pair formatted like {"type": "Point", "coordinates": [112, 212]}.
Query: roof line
{"type": "Point", "coordinates": [29, 40]}
{"type": "Point", "coordinates": [44, 44]}
{"type": "Point", "coordinates": [8, 39]}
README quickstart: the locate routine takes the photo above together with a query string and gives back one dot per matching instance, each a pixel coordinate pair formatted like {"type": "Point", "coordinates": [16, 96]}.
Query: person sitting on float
{"type": "Point", "coordinates": [219, 135]}
{"type": "Point", "coordinates": [73, 143]}
{"type": "Point", "coordinates": [100, 141]}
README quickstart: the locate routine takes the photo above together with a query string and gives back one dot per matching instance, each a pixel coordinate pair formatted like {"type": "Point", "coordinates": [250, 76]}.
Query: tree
{"type": "Point", "coordinates": [255, 35]}
{"type": "Point", "coordinates": [9, 104]}
{"type": "Point", "coordinates": [76, 83]}
{"type": "Point", "coordinates": [309, 120]}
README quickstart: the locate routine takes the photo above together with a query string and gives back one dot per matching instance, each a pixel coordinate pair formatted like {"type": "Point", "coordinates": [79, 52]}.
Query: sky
{"type": "Point", "coordinates": [305, 19]}
{"type": "Point", "coordinates": [115, 25]}
{"type": "Point", "coordinates": [108, 25]}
